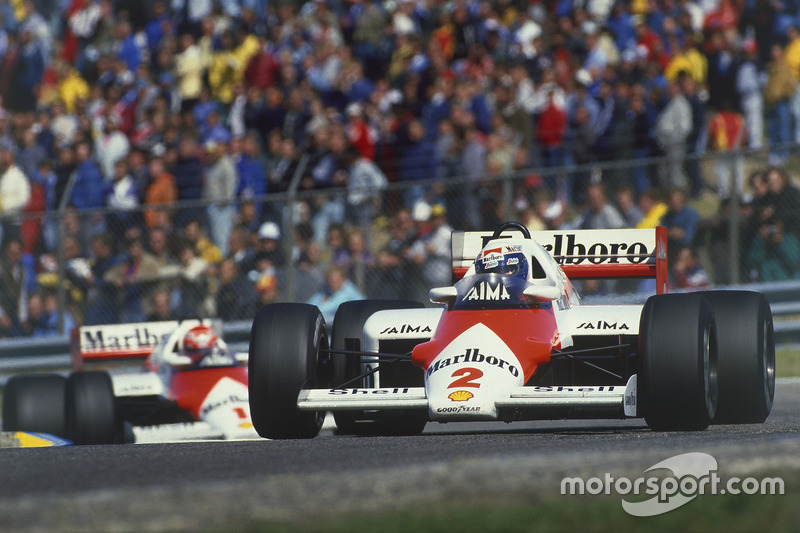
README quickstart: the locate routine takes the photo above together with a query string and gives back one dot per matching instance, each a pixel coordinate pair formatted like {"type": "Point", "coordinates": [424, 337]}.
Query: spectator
{"type": "Point", "coordinates": [626, 204]}
{"type": "Point", "coordinates": [219, 188]}
{"type": "Point", "coordinates": [308, 275]}
{"type": "Point", "coordinates": [432, 251]}
{"type": "Point", "coordinates": [203, 247]}
{"type": "Point", "coordinates": [123, 200]}
{"type": "Point", "coordinates": [17, 280]}
{"type": "Point", "coordinates": [189, 70]}
{"type": "Point", "coordinates": [598, 213]}
{"type": "Point", "coordinates": [252, 181]}
{"type": "Point", "coordinates": [161, 308]}
{"type": "Point", "coordinates": [337, 290]}
{"type": "Point", "coordinates": [15, 193]}
{"type": "Point", "coordinates": [191, 284]}
{"type": "Point", "coordinates": [783, 200]}
{"type": "Point", "coordinates": [90, 185]}
{"type": "Point", "coordinates": [750, 85]}
{"type": "Point", "coordinates": [687, 272]}
{"type": "Point", "coordinates": [672, 130]}
{"type": "Point", "coordinates": [234, 299]}
{"type": "Point", "coordinates": [188, 172]}
{"type": "Point", "coordinates": [160, 194]}
{"type": "Point", "coordinates": [269, 245]}
{"type": "Point", "coordinates": [365, 183]}
{"type": "Point", "coordinates": [111, 146]}
{"type": "Point", "coordinates": [727, 135]}
{"type": "Point", "coordinates": [240, 249]}
{"type": "Point", "coordinates": [774, 254]}
{"type": "Point", "coordinates": [681, 222]}
{"type": "Point", "coordinates": [652, 208]}
{"type": "Point", "coordinates": [267, 290]}
{"type": "Point", "coordinates": [778, 93]}
{"type": "Point", "coordinates": [133, 280]}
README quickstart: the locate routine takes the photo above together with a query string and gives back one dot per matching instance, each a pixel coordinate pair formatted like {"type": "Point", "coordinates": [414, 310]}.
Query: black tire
{"type": "Point", "coordinates": [746, 348]}
{"type": "Point", "coordinates": [35, 403]}
{"type": "Point", "coordinates": [90, 408]}
{"type": "Point", "coordinates": [349, 324]}
{"type": "Point", "coordinates": [678, 386]}
{"type": "Point", "coordinates": [285, 344]}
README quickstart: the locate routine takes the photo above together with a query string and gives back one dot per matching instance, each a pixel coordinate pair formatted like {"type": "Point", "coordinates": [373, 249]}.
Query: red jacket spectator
{"type": "Point", "coordinates": [552, 124]}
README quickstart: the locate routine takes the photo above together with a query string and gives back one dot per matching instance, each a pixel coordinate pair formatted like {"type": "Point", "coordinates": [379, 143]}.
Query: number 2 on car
{"type": "Point", "coordinates": [467, 377]}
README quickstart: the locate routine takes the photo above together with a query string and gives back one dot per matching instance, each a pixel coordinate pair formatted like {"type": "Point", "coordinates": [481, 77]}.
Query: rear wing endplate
{"type": "Point", "coordinates": [583, 254]}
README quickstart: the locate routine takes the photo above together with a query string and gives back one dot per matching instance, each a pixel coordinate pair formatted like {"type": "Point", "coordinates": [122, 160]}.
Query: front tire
{"type": "Point", "coordinates": [679, 388]}
{"type": "Point", "coordinates": [347, 334]}
{"type": "Point", "coordinates": [90, 408]}
{"type": "Point", "coordinates": [35, 403]}
{"type": "Point", "coordinates": [746, 349]}
{"type": "Point", "coordinates": [285, 344]}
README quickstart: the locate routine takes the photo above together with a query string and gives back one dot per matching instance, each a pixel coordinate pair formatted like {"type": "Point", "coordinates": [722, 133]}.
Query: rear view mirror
{"type": "Point", "coordinates": [443, 295]}
{"type": "Point", "coordinates": [542, 292]}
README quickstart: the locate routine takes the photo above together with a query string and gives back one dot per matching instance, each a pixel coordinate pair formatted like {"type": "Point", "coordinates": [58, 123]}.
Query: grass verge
{"type": "Point", "coordinates": [730, 513]}
{"type": "Point", "coordinates": [787, 362]}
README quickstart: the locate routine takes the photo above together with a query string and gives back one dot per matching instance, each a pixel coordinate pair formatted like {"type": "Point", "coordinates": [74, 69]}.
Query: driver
{"type": "Point", "coordinates": [203, 346]}
{"type": "Point", "coordinates": [505, 259]}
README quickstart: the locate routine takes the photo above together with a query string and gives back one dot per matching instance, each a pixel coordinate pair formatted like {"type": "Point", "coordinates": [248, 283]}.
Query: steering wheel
{"type": "Point", "coordinates": [511, 226]}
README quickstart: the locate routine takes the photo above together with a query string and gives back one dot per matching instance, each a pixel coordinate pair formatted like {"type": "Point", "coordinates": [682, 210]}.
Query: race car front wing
{"type": "Point", "coordinates": [527, 403]}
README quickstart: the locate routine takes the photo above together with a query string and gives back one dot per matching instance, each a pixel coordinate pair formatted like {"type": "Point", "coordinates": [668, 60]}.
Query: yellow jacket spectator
{"type": "Point", "coordinates": [189, 69]}
{"type": "Point", "coordinates": [652, 209]}
{"type": "Point", "coordinates": [791, 54]}
{"type": "Point", "coordinates": [72, 88]}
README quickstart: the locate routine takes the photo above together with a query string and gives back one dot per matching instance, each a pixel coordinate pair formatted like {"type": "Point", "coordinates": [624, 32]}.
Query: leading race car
{"type": "Point", "coordinates": [192, 386]}
{"type": "Point", "coordinates": [512, 341]}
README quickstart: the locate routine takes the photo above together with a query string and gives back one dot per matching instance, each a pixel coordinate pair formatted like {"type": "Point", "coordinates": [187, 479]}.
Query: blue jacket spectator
{"type": "Point", "coordinates": [337, 290]}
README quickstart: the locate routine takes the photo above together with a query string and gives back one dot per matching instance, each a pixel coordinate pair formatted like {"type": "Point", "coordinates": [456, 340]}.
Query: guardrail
{"type": "Point", "coordinates": [53, 352]}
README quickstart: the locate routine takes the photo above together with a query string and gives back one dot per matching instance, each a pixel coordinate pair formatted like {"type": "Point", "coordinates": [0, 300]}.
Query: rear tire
{"type": "Point", "coordinates": [90, 408]}
{"type": "Point", "coordinates": [349, 324]}
{"type": "Point", "coordinates": [35, 403]}
{"type": "Point", "coordinates": [285, 344]}
{"type": "Point", "coordinates": [678, 387]}
{"type": "Point", "coordinates": [746, 348]}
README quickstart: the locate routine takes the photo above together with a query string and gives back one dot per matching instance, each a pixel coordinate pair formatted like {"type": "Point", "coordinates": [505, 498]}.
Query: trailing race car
{"type": "Point", "coordinates": [512, 341]}
{"type": "Point", "coordinates": [192, 386]}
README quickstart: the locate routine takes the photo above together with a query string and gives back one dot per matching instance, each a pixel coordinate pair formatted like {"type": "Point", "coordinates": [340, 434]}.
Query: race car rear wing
{"type": "Point", "coordinates": [120, 342]}
{"type": "Point", "coordinates": [583, 254]}
{"type": "Point", "coordinates": [110, 342]}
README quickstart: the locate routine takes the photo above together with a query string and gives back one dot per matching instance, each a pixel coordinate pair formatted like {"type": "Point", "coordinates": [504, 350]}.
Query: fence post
{"type": "Point", "coordinates": [733, 231]}
{"type": "Point", "coordinates": [62, 291]}
{"type": "Point", "coordinates": [288, 227]}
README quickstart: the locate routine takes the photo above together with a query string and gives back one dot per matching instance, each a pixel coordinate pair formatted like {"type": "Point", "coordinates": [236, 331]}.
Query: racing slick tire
{"type": "Point", "coordinates": [746, 348]}
{"type": "Point", "coordinates": [348, 323]}
{"type": "Point", "coordinates": [678, 387]}
{"type": "Point", "coordinates": [90, 408]}
{"type": "Point", "coordinates": [35, 403]}
{"type": "Point", "coordinates": [286, 344]}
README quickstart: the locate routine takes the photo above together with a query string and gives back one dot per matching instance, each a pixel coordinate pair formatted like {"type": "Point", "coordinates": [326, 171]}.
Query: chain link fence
{"type": "Point", "coordinates": [385, 240]}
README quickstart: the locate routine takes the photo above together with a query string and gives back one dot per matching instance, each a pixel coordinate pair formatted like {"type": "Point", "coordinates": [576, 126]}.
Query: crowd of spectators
{"type": "Point", "coordinates": [164, 132]}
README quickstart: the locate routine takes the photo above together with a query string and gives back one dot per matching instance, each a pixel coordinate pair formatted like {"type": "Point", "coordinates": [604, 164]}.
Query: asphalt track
{"type": "Point", "coordinates": [220, 485]}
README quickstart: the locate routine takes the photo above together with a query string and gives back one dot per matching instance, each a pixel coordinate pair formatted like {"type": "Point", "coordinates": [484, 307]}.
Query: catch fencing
{"type": "Point", "coordinates": [225, 260]}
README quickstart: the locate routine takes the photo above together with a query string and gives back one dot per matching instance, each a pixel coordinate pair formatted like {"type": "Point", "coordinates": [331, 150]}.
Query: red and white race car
{"type": "Point", "coordinates": [192, 386]}
{"type": "Point", "coordinates": [512, 341]}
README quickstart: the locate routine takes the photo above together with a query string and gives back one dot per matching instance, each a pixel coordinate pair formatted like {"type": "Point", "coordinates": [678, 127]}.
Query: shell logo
{"type": "Point", "coordinates": [460, 396]}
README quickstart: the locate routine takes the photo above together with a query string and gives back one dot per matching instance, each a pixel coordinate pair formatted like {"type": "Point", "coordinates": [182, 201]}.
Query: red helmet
{"type": "Point", "coordinates": [199, 342]}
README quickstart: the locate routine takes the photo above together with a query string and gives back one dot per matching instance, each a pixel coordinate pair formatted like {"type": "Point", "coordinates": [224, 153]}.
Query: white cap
{"type": "Point", "coordinates": [421, 211]}
{"type": "Point", "coordinates": [269, 230]}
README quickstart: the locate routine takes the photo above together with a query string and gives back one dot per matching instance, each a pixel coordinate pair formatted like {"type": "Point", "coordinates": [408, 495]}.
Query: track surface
{"type": "Point", "coordinates": [192, 486]}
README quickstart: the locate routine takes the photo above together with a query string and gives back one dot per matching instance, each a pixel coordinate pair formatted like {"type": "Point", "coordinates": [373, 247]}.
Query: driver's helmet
{"type": "Point", "coordinates": [505, 259]}
{"type": "Point", "coordinates": [199, 342]}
